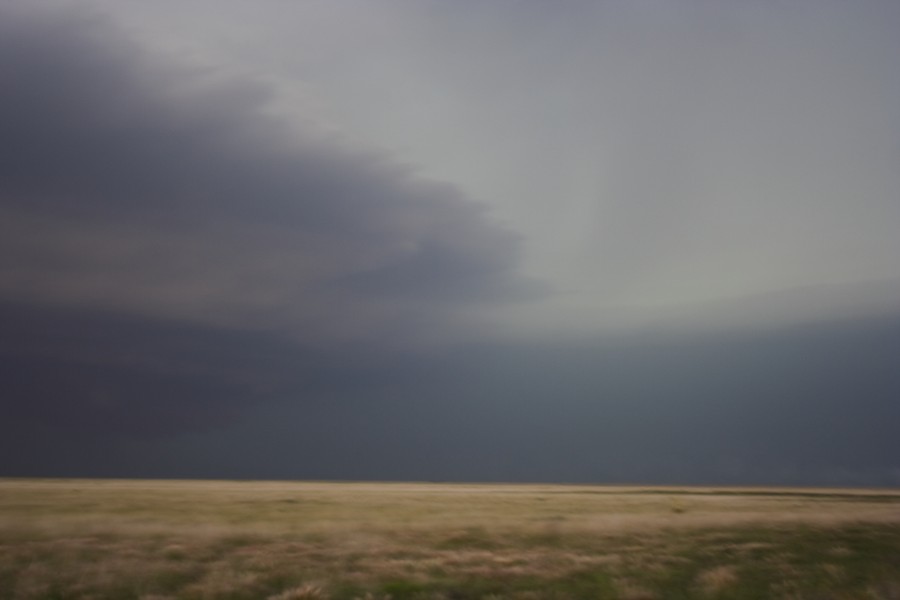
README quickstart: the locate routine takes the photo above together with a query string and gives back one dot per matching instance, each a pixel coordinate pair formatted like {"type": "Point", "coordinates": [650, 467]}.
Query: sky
{"type": "Point", "coordinates": [640, 241]}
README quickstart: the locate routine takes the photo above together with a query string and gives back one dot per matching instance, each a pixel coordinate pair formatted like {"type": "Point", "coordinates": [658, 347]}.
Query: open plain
{"type": "Point", "coordinates": [154, 540]}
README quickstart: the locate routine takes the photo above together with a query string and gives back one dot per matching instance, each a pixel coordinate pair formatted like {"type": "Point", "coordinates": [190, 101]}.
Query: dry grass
{"type": "Point", "coordinates": [194, 539]}
{"type": "Point", "coordinates": [717, 579]}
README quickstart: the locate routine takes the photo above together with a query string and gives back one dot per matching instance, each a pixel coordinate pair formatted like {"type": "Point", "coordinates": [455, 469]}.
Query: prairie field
{"type": "Point", "coordinates": [157, 540]}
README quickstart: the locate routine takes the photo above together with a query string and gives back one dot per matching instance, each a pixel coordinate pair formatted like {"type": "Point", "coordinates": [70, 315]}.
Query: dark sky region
{"type": "Point", "coordinates": [612, 242]}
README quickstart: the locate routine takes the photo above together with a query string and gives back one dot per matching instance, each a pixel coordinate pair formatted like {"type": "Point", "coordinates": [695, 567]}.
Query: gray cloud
{"type": "Point", "coordinates": [807, 405]}
{"type": "Point", "coordinates": [657, 157]}
{"type": "Point", "coordinates": [804, 405]}
{"type": "Point", "coordinates": [79, 373]}
{"type": "Point", "coordinates": [171, 256]}
{"type": "Point", "coordinates": [654, 154]}
{"type": "Point", "coordinates": [155, 189]}
{"type": "Point", "coordinates": [199, 277]}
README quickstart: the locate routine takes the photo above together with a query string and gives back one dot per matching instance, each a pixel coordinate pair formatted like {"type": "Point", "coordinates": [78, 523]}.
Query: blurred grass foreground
{"type": "Point", "coordinates": [157, 540]}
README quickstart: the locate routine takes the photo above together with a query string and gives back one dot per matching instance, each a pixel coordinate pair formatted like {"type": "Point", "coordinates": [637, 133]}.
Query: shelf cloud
{"type": "Point", "coordinates": [643, 242]}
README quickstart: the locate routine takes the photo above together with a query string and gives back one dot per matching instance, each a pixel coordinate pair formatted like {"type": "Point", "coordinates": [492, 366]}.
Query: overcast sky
{"type": "Point", "coordinates": [625, 241]}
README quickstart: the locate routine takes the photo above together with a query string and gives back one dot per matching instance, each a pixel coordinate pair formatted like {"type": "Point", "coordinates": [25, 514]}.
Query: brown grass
{"type": "Point", "coordinates": [286, 541]}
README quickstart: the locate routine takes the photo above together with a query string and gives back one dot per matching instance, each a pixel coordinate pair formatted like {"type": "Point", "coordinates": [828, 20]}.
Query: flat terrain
{"type": "Point", "coordinates": [219, 539]}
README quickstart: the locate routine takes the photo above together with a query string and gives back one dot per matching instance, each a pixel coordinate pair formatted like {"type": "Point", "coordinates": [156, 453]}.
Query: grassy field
{"type": "Point", "coordinates": [154, 540]}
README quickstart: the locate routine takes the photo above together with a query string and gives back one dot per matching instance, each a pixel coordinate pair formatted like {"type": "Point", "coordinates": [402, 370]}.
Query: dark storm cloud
{"type": "Point", "coordinates": [813, 404]}
{"type": "Point", "coordinates": [192, 287]}
{"type": "Point", "coordinates": [79, 372]}
{"type": "Point", "coordinates": [130, 185]}
{"type": "Point", "coordinates": [170, 256]}
{"type": "Point", "coordinates": [809, 405]}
